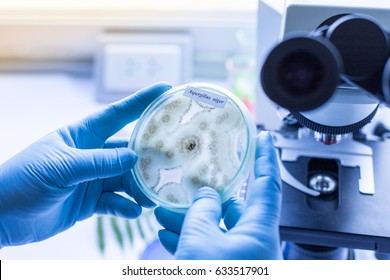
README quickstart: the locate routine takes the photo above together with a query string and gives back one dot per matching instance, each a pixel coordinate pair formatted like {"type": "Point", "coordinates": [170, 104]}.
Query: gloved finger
{"type": "Point", "coordinates": [264, 196]}
{"type": "Point", "coordinates": [266, 153]}
{"type": "Point", "coordinates": [122, 183]}
{"type": "Point", "coordinates": [170, 220]}
{"type": "Point", "coordinates": [116, 183]}
{"type": "Point", "coordinates": [113, 184]}
{"type": "Point", "coordinates": [116, 143]}
{"type": "Point", "coordinates": [232, 210]}
{"type": "Point", "coordinates": [91, 164]}
{"type": "Point", "coordinates": [114, 117]}
{"type": "Point", "coordinates": [125, 182]}
{"type": "Point", "coordinates": [205, 212]}
{"type": "Point", "coordinates": [169, 240]}
{"type": "Point", "coordinates": [132, 189]}
{"type": "Point", "coordinates": [116, 205]}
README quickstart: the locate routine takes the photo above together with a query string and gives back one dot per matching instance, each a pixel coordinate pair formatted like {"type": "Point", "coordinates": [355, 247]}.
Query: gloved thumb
{"type": "Point", "coordinates": [91, 164]}
{"type": "Point", "coordinates": [205, 212]}
{"type": "Point", "coordinates": [200, 223]}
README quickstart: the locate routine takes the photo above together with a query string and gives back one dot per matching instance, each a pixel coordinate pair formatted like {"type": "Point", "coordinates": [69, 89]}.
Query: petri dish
{"type": "Point", "coordinates": [193, 135]}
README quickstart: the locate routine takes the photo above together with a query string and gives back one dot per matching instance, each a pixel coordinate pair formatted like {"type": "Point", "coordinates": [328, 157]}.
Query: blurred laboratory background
{"type": "Point", "coordinates": [64, 59]}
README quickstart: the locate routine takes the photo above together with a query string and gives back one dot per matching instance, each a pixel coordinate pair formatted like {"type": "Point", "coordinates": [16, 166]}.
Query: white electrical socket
{"type": "Point", "coordinates": [127, 61]}
{"type": "Point", "coordinates": [129, 67]}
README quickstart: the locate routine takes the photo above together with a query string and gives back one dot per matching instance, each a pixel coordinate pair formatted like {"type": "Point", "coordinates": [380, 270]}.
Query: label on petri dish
{"type": "Point", "coordinates": [206, 97]}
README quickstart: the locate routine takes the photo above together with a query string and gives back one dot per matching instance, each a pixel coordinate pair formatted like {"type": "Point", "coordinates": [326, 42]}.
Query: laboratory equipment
{"type": "Point", "coordinates": [193, 135]}
{"type": "Point", "coordinates": [325, 67]}
{"type": "Point", "coordinates": [346, 57]}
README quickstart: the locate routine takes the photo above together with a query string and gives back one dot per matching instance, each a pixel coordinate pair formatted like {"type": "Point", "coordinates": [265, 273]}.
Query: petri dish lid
{"type": "Point", "coordinates": [193, 135]}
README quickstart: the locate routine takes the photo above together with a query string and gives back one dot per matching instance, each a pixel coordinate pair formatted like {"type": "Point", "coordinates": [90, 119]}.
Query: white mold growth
{"type": "Point", "coordinates": [185, 144]}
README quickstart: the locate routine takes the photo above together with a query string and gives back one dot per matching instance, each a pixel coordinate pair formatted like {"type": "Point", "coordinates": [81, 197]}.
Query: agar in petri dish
{"type": "Point", "coordinates": [193, 135]}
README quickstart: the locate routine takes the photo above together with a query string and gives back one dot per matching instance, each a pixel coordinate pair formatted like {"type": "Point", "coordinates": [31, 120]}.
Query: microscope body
{"type": "Point", "coordinates": [335, 194]}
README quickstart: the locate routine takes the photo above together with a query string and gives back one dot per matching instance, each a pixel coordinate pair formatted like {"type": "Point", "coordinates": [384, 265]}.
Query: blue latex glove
{"type": "Point", "coordinates": [72, 173]}
{"type": "Point", "coordinates": [252, 228]}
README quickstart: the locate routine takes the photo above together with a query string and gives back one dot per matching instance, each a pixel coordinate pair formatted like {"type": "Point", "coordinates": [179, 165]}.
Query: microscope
{"type": "Point", "coordinates": [324, 77]}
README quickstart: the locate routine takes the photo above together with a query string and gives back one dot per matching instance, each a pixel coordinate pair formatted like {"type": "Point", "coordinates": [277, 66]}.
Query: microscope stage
{"type": "Point", "coordinates": [347, 218]}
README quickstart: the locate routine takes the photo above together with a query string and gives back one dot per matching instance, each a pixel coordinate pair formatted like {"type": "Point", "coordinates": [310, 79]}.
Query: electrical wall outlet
{"type": "Point", "coordinates": [128, 62]}
{"type": "Point", "coordinates": [133, 66]}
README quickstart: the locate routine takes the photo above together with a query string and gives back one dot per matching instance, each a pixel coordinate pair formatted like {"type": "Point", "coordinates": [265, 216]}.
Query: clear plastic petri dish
{"type": "Point", "coordinates": [193, 135]}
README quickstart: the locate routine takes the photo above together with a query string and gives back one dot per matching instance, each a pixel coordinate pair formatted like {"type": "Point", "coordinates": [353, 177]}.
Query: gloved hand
{"type": "Point", "coordinates": [252, 228]}
{"type": "Point", "coordinates": [72, 173]}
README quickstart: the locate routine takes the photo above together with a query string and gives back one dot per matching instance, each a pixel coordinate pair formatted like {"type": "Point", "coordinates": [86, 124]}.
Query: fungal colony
{"type": "Point", "coordinates": [187, 144]}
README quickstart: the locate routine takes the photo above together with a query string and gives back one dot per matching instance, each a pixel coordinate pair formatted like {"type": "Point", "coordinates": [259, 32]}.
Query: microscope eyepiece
{"type": "Point", "coordinates": [301, 73]}
{"type": "Point", "coordinates": [347, 58]}
{"type": "Point", "coordinates": [362, 43]}
{"type": "Point", "coordinates": [386, 82]}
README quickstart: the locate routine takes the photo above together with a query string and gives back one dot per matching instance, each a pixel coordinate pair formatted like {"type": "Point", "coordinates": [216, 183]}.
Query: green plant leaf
{"type": "Point", "coordinates": [100, 234]}
{"type": "Point", "coordinates": [148, 221]}
{"type": "Point", "coordinates": [122, 227]}
{"type": "Point", "coordinates": [117, 232]}
{"type": "Point", "coordinates": [140, 229]}
{"type": "Point", "coordinates": [129, 231]}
